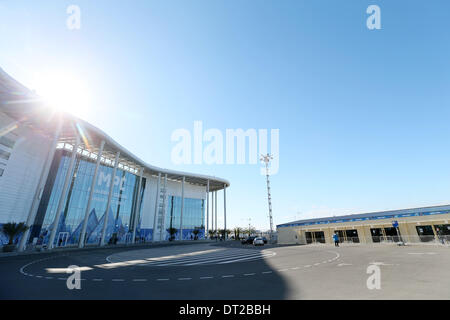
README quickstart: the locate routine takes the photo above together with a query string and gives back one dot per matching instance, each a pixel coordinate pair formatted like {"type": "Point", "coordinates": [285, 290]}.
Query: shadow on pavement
{"type": "Point", "coordinates": [253, 279]}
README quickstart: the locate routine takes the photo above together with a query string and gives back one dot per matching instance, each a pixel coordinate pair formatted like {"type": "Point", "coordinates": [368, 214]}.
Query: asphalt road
{"type": "Point", "coordinates": [210, 271]}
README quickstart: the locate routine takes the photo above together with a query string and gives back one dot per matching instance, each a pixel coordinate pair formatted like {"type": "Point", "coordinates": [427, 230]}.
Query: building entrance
{"type": "Point", "coordinates": [425, 233]}
{"type": "Point", "coordinates": [308, 237]}
{"type": "Point", "coordinates": [352, 236]}
{"type": "Point", "coordinates": [443, 232]}
{"type": "Point", "coordinates": [377, 234]}
{"type": "Point", "coordinates": [391, 234]}
{"type": "Point", "coordinates": [319, 237]}
{"type": "Point", "coordinates": [62, 239]}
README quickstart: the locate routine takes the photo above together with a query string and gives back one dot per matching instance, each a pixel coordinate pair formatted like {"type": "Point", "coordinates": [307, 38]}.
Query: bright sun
{"type": "Point", "coordinates": [64, 92]}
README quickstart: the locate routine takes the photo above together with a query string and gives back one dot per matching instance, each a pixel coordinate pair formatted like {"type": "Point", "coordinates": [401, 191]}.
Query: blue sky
{"type": "Point", "coordinates": [363, 114]}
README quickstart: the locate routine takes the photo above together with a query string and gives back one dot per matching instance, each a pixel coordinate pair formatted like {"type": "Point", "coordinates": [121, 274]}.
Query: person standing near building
{"type": "Point", "coordinates": [336, 240]}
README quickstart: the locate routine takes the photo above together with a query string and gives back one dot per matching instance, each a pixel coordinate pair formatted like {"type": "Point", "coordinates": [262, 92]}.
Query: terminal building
{"type": "Point", "coordinates": [73, 185]}
{"type": "Point", "coordinates": [414, 226]}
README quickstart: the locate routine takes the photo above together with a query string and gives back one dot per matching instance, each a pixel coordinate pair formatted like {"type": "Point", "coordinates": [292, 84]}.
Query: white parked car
{"type": "Point", "coordinates": [258, 241]}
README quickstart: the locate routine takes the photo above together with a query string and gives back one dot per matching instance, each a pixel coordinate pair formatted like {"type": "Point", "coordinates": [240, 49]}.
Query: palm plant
{"type": "Point", "coordinates": [211, 233]}
{"type": "Point", "coordinates": [11, 230]}
{"type": "Point", "coordinates": [222, 232]}
{"type": "Point", "coordinates": [250, 231]}
{"type": "Point", "coordinates": [237, 233]}
{"type": "Point", "coordinates": [172, 232]}
{"type": "Point", "coordinates": [196, 231]}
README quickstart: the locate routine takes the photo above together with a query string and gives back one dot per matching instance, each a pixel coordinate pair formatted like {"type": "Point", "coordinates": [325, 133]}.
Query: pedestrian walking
{"type": "Point", "coordinates": [336, 240]}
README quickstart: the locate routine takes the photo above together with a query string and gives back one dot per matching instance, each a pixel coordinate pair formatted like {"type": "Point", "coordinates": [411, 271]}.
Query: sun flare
{"type": "Point", "coordinates": [63, 91]}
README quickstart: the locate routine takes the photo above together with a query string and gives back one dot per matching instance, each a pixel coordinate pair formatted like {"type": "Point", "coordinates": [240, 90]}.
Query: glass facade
{"type": "Point", "coordinates": [193, 218]}
{"type": "Point", "coordinates": [121, 213]}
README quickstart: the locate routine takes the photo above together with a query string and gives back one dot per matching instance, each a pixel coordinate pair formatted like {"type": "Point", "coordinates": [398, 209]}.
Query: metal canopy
{"type": "Point", "coordinates": [28, 109]}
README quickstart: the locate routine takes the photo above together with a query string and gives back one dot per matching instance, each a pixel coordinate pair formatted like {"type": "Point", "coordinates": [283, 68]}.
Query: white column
{"type": "Point", "coordinates": [215, 203]}
{"type": "Point", "coordinates": [225, 210]}
{"type": "Point", "coordinates": [62, 198]}
{"type": "Point", "coordinates": [40, 187]}
{"type": "Point", "coordinates": [182, 208]}
{"type": "Point", "coordinates": [207, 210]}
{"type": "Point", "coordinates": [137, 207]}
{"type": "Point", "coordinates": [82, 240]}
{"type": "Point", "coordinates": [163, 218]}
{"type": "Point", "coordinates": [156, 206]}
{"type": "Point", "coordinates": [108, 203]}
{"type": "Point", "coordinates": [212, 212]}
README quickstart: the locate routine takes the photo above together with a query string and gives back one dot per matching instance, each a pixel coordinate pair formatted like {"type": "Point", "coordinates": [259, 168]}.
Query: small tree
{"type": "Point", "coordinates": [172, 232]}
{"type": "Point", "coordinates": [250, 230]}
{"type": "Point", "coordinates": [237, 233]}
{"type": "Point", "coordinates": [211, 233]}
{"type": "Point", "coordinates": [12, 229]}
{"type": "Point", "coordinates": [196, 232]}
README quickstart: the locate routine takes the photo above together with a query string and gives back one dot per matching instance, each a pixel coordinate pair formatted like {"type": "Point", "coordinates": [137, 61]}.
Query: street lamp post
{"type": "Point", "coordinates": [266, 159]}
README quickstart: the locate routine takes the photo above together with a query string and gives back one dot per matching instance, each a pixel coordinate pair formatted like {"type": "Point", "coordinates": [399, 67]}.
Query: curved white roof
{"type": "Point", "coordinates": [27, 108]}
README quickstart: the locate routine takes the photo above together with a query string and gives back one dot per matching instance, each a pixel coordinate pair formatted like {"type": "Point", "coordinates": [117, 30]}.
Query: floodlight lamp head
{"type": "Point", "coordinates": [266, 158]}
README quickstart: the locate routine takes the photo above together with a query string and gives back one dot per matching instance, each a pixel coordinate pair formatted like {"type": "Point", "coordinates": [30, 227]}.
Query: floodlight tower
{"type": "Point", "coordinates": [266, 159]}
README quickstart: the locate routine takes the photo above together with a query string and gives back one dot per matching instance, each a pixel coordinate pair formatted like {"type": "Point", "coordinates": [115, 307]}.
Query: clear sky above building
{"type": "Point", "coordinates": [362, 114]}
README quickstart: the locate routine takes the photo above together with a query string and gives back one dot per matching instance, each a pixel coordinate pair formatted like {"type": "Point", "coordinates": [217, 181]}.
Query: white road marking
{"type": "Point", "coordinates": [222, 259]}
{"type": "Point", "coordinates": [421, 252]}
{"type": "Point", "coordinates": [209, 257]}
{"type": "Point", "coordinates": [176, 256]}
{"type": "Point", "coordinates": [198, 260]}
{"type": "Point", "coordinates": [382, 264]}
{"type": "Point", "coordinates": [243, 259]}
